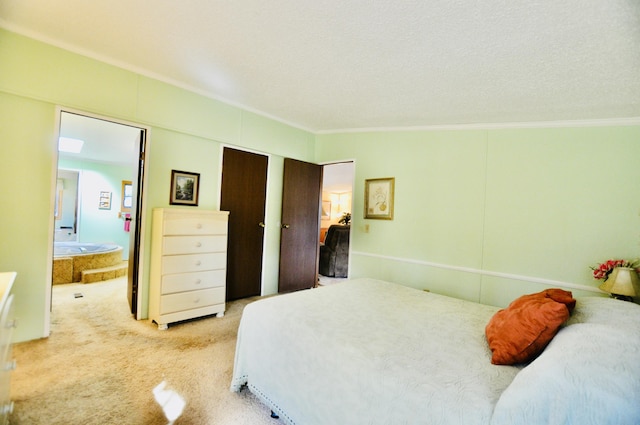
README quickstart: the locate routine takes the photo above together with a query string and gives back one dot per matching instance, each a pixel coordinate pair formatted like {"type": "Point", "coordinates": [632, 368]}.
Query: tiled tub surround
{"type": "Point", "coordinates": [87, 263]}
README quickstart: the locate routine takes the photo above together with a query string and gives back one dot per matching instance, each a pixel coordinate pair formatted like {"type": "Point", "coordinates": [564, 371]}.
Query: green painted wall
{"type": "Point", "coordinates": [487, 215]}
{"type": "Point", "coordinates": [26, 217]}
{"type": "Point", "coordinates": [187, 132]}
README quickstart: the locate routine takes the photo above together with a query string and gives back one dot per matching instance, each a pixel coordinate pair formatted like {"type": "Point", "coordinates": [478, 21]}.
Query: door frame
{"type": "Point", "coordinates": [266, 201]}
{"type": "Point", "coordinates": [136, 249]}
{"type": "Point", "coordinates": [141, 195]}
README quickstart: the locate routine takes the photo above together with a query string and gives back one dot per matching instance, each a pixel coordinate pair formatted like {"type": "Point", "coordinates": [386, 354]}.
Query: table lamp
{"type": "Point", "coordinates": [622, 284]}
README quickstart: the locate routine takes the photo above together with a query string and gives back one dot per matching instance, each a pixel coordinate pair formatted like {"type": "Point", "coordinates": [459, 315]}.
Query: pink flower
{"type": "Point", "coordinates": [602, 271]}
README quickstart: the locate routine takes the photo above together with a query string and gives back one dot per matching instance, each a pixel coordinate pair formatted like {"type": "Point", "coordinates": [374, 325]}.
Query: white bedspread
{"type": "Point", "coordinates": [370, 352]}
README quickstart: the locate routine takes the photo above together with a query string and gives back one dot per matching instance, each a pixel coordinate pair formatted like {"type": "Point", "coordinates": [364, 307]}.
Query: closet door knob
{"type": "Point", "coordinates": [285, 226]}
{"type": "Point", "coordinates": [261, 224]}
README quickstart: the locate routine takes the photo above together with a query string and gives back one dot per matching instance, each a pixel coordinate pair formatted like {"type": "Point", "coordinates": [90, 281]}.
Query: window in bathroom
{"type": "Point", "coordinates": [127, 196]}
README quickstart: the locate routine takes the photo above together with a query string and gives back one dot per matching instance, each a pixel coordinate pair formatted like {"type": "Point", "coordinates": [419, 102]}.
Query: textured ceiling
{"type": "Point", "coordinates": [353, 64]}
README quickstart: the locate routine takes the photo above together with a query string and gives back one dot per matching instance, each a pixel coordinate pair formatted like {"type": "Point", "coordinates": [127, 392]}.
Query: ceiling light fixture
{"type": "Point", "coordinates": [67, 144]}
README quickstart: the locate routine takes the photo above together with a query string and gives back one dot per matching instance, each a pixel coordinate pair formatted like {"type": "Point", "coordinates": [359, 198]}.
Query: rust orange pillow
{"type": "Point", "coordinates": [561, 296]}
{"type": "Point", "coordinates": [518, 333]}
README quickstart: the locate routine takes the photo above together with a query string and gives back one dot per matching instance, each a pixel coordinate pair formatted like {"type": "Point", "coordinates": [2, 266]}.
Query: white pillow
{"type": "Point", "coordinates": [588, 374]}
{"type": "Point", "coordinates": [606, 311]}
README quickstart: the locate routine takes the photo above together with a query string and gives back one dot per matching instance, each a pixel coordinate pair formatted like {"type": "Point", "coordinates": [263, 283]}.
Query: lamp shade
{"type": "Point", "coordinates": [622, 281]}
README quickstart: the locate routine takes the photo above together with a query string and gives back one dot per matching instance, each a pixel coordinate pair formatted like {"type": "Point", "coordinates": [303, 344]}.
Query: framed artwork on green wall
{"type": "Point", "coordinates": [184, 188]}
{"type": "Point", "coordinates": [105, 201]}
{"type": "Point", "coordinates": [378, 198]}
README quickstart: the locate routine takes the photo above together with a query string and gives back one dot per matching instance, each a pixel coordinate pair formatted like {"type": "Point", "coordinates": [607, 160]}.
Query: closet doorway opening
{"type": "Point", "coordinates": [98, 201]}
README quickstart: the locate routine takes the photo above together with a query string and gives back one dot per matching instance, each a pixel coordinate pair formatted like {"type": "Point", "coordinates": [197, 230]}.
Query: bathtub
{"type": "Point", "coordinates": [86, 262]}
{"type": "Point", "coordinates": [69, 249]}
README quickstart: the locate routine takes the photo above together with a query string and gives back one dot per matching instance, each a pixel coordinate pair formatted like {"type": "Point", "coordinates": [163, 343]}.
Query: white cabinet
{"type": "Point", "coordinates": [188, 264]}
{"type": "Point", "coordinates": [7, 363]}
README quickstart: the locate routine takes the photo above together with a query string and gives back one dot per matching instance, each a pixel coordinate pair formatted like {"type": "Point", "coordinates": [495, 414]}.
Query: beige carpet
{"type": "Point", "coordinates": [99, 365]}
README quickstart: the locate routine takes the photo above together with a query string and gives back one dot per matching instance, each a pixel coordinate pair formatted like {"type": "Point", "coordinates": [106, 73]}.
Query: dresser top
{"type": "Point", "coordinates": [6, 282]}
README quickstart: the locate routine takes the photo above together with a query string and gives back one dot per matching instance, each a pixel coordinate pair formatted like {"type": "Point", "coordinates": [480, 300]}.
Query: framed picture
{"type": "Point", "coordinates": [184, 188]}
{"type": "Point", "coordinates": [326, 210]}
{"type": "Point", "coordinates": [105, 201]}
{"type": "Point", "coordinates": [378, 198]}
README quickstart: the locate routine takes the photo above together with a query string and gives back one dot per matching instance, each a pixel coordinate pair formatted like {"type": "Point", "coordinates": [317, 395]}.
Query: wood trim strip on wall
{"type": "Point", "coordinates": [483, 272]}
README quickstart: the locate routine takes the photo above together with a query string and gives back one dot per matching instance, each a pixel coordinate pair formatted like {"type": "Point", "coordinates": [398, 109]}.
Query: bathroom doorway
{"type": "Point", "coordinates": [99, 182]}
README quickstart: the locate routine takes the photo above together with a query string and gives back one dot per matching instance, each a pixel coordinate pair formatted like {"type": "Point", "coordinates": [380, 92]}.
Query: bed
{"type": "Point", "coordinates": [372, 352]}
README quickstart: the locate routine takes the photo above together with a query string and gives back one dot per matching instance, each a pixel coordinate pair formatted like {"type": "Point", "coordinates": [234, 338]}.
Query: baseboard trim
{"type": "Point", "coordinates": [511, 276]}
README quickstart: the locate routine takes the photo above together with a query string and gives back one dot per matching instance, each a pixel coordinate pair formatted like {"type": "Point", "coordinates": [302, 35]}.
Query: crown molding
{"type": "Point", "coordinates": [142, 72]}
{"type": "Point", "coordinates": [606, 122]}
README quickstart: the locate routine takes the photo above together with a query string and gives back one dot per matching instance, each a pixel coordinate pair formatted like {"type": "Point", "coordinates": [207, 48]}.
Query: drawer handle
{"type": "Point", "coordinates": [198, 244]}
{"type": "Point", "coordinates": [198, 263]}
{"type": "Point", "coordinates": [198, 281]}
{"type": "Point", "coordinates": [196, 301]}
{"type": "Point", "coordinates": [198, 226]}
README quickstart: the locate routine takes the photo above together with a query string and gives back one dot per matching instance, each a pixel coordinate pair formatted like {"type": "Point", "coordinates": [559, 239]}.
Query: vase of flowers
{"type": "Point", "coordinates": [345, 219]}
{"type": "Point", "coordinates": [602, 271]}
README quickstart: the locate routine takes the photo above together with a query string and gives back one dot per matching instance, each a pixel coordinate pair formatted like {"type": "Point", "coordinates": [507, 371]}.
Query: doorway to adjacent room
{"type": "Point", "coordinates": [335, 227]}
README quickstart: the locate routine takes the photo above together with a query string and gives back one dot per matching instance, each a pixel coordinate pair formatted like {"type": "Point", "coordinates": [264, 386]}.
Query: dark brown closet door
{"type": "Point", "coordinates": [300, 240]}
{"type": "Point", "coordinates": [243, 194]}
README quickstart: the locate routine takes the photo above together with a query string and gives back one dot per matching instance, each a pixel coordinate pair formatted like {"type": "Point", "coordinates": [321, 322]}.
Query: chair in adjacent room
{"type": "Point", "coordinates": [334, 253]}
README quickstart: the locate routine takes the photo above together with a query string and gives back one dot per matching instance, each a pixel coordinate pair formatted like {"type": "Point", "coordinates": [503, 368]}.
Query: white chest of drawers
{"type": "Point", "coordinates": [188, 264]}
